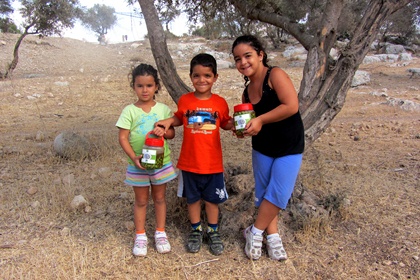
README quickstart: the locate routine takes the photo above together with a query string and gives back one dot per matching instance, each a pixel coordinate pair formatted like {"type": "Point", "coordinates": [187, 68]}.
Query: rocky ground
{"type": "Point", "coordinates": [363, 172]}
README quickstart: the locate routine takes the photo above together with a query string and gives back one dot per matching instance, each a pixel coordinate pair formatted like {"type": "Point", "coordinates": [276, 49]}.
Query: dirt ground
{"type": "Point", "coordinates": [367, 162]}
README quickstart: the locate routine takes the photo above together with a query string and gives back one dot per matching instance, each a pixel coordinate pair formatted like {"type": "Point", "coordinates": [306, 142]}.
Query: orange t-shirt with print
{"type": "Point", "coordinates": [201, 150]}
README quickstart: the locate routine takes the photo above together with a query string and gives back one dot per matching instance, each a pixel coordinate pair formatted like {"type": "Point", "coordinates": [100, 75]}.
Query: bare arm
{"type": "Point", "coordinates": [159, 130]}
{"type": "Point", "coordinates": [286, 93]}
{"type": "Point", "coordinates": [228, 125]}
{"type": "Point", "coordinates": [166, 125]}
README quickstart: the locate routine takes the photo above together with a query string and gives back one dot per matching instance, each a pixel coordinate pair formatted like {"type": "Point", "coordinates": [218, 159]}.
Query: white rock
{"type": "Point", "coordinates": [61, 84]}
{"type": "Point", "coordinates": [40, 136]}
{"type": "Point", "coordinates": [360, 78]}
{"type": "Point", "coordinates": [65, 231]}
{"type": "Point", "coordinates": [104, 172]}
{"type": "Point", "coordinates": [394, 49]}
{"type": "Point", "coordinates": [35, 204]}
{"type": "Point", "coordinates": [78, 202]}
{"type": "Point", "coordinates": [135, 45]}
{"type": "Point", "coordinates": [88, 209]}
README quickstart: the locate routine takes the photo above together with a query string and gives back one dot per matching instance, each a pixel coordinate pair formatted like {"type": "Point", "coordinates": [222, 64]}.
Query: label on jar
{"type": "Point", "coordinates": [242, 120]}
{"type": "Point", "coordinates": [149, 156]}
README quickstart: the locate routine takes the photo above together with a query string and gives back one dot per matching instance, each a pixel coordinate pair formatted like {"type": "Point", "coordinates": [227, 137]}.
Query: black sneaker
{"type": "Point", "coordinates": [194, 241]}
{"type": "Point", "coordinates": [215, 243]}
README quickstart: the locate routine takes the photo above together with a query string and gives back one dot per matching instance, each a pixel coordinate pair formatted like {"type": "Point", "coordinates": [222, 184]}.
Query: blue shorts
{"type": "Point", "coordinates": [209, 187]}
{"type": "Point", "coordinates": [275, 178]}
{"type": "Point", "coordinates": [137, 177]}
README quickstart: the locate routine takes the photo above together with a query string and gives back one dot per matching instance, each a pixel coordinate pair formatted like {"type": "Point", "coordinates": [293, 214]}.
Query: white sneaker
{"type": "Point", "coordinates": [140, 246]}
{"type": "Point", "coordinates": [275, 248]}
{"type": "Point", "coordinates": [253, 244]}
{"type": "Point", "coordinates": [162, 243]}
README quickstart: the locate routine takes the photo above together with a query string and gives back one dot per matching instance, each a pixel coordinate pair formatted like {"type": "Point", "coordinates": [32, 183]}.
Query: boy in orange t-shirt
{"type": "Point", "coordinates": [202, 113]}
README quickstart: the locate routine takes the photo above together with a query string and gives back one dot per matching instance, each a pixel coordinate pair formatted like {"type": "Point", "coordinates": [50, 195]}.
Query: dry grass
{"type": "Point", "coordinates": [373, 235]}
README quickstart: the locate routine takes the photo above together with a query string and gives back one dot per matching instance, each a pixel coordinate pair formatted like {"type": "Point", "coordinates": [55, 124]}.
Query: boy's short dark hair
{"type": "Point", "coordinates": [204, 59]}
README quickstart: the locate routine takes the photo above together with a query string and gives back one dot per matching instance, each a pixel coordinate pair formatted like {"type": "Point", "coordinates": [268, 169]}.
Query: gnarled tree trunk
{"type": "Point", "coordinates": [165, 65]}
{"type": "Point", "coordinates": [12, 66]}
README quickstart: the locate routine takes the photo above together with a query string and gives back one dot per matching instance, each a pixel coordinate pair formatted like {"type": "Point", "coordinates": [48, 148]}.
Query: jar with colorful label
{"type": "Point", "coordinates": [153, 152]}
{"type": "Point", "coordinates": [243, 113]}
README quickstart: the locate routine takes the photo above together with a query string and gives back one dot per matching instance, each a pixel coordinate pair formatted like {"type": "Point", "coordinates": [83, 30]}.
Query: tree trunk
{"type": "Point", "coordinates": [326, 82]}
{"type": "Point", "coordinates": [165, 65]}
{"type": "Point", "coordinates": [15, 60]}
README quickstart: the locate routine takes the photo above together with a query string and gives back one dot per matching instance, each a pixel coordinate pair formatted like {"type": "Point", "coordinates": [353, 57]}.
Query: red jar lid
{"type": "Point", "coordinates": [243, 107]}
{"type": "Point", "coordinates": [154, 142]}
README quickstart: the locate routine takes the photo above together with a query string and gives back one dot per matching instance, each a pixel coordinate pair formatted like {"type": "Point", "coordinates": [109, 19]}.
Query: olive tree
{"type": "Point", "coordinates": [43, 18]}
{"type": "Point", "coordinates": [315, 24]}
{"type": "Point", "coordinates": [99, 19]}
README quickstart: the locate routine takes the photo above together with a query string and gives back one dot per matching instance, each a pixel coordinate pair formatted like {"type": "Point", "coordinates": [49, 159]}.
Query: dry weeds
{"type": "Point", "coordinates": [375, 236]}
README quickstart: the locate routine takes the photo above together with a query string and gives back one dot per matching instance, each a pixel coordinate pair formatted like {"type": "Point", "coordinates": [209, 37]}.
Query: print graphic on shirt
{"type": "Point", "coordinates": [145, 123]}
{"type": "Point", "coordinates": [221, 193]}
{"type": "Point", "coordinates": [201, 121]}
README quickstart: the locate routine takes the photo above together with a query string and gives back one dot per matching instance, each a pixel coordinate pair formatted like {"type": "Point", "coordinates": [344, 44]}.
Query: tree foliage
{"type": "Point", "coordinates": [217, 17]}
{"type": "Point", "coordinates": [43, 18]}
{"type": "Point", "coordinates": [99, 19]}
{"type": "Point", "coordinates": [46, 18]}
{"type": "Point", "coordinates": [6, 24]}
{"type": "Point", "coordinates": [5, 7]}
{"type": "Point", "coordinates": [401, 27]}
{"type": "Point", "coordinates": [167, 12]}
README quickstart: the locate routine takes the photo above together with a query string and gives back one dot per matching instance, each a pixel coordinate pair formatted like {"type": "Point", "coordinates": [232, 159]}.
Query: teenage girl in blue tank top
{"type": "Point", "coordinates": [277, 142]}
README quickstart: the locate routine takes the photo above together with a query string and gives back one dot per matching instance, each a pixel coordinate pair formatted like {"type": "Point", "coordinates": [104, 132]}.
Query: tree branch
{"type": "Point", "coordinates": [248, 10]}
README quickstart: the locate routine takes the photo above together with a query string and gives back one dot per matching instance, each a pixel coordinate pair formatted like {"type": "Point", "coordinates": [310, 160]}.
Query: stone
{"type": "Point", "coordinates": [65, 231]}
{"type": "Point", "coordinates": [32, 190]}
{"type": "Point", "coordinates": [40, 137]}
{"type": "Point", "coordinates": [78, 202]}
{"type": "Point", "coordinates": [104, 172]}
{"type": "Point", "coordinates": [360, 78]}
{"type": "Point", "coordinates": [72, 146]}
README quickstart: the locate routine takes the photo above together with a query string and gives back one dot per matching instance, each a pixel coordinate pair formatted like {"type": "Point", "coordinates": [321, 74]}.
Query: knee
{"type": "Point", "coordinates": [159, 199]}
{"type": "Point", "coordinates": [140, 203]}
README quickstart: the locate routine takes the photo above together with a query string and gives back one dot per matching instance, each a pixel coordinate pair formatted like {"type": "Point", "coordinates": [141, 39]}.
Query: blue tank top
{"type": "Point", "coordinates": [282, 138]}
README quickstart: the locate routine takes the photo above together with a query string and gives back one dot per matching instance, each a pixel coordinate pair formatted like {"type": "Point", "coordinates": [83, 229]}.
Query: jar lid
{"type": "Point", "coordinates": [155, 142]}
{"type": "Point", "coordinates": [243, 107]}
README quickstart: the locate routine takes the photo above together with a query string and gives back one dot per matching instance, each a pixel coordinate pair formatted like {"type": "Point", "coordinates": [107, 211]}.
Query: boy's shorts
{"type": "Point", "coordinates": [209, 187]}
{"type": "Point", "coordinates": [275, 178]}
{"type": "Point", "coordinates": [137, 177]}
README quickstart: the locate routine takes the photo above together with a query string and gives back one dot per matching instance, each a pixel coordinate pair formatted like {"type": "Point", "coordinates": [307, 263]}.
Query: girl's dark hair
{"type": "Point", "coordinates": [144, 70]}
{"type": "Point", "coordinates": [256, 44]}
{"type": "Point", "coordinates": [204, 59]}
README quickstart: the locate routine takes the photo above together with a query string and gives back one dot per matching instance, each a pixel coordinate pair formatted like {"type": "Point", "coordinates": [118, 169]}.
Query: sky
{"type": "Point", "coordinates": [135, 28]}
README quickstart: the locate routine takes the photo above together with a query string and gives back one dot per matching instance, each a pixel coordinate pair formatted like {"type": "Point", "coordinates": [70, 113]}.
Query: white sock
{"type": "Point", "coordinates": [255, 230]}
{"type": "Point", "coordinates": [141, 236]}
{"type": "Point", "coordinates": [273, 235]}
{"type": "Point", "coordinates": [160, 234]}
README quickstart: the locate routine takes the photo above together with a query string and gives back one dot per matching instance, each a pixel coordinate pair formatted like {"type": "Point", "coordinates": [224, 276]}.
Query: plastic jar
{"type": "Point", "coordinates": [153, 152]}
{"type": "Point", "coordinates": [243, 113]}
